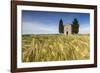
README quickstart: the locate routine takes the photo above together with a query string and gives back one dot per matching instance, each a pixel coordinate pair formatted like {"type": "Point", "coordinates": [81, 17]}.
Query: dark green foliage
{"type": "Point", "coordinates": [61, 27]}
{"type": "Point", "coordinates": [75, 26]}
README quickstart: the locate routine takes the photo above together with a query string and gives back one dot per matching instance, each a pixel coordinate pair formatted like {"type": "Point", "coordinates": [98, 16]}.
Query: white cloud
{"type": "Point", "coordinates": [84, 29]}
{"type": "Point", "coordinates": [38, 28]}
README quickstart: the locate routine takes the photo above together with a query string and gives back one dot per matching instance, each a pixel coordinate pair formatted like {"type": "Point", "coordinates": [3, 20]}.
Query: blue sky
{"type": "Point", "coordinates": [44, 22]}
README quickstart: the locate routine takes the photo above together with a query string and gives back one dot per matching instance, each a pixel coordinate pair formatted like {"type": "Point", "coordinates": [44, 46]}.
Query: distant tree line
{"type": "Point", "coordinates": [75, 26]}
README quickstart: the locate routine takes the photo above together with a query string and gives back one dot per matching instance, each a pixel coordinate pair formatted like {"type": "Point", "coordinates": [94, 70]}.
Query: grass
{"type": "Point", "coordinates": [37, 48]}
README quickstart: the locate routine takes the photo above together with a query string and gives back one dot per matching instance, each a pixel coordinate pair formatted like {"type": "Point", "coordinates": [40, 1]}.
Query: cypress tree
{"type": "Point", "coordinates": [61, 27]}
{"type": "Point", "coordinates": [75, 26]}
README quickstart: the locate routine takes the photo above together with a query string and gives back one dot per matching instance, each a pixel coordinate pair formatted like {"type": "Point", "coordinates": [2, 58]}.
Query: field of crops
{"type": "Point", "coordinates": [37, 48]}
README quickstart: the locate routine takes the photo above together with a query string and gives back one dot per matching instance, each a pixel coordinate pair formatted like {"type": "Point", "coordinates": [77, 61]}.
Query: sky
{"type": "Point", "coordinates": [44, 22]}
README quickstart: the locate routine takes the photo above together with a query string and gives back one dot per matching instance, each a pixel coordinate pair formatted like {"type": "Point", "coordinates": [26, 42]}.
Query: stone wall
{"type": "Point", "coordinates": [67, 29]}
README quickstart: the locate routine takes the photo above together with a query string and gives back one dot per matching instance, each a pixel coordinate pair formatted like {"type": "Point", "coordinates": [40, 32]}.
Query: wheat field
{"type": "Point", "coordinates": [55, 47]}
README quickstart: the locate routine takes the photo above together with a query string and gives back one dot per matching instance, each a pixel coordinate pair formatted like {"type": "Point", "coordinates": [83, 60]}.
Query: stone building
{"type": "Point", "coordinates": [67, 29]}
